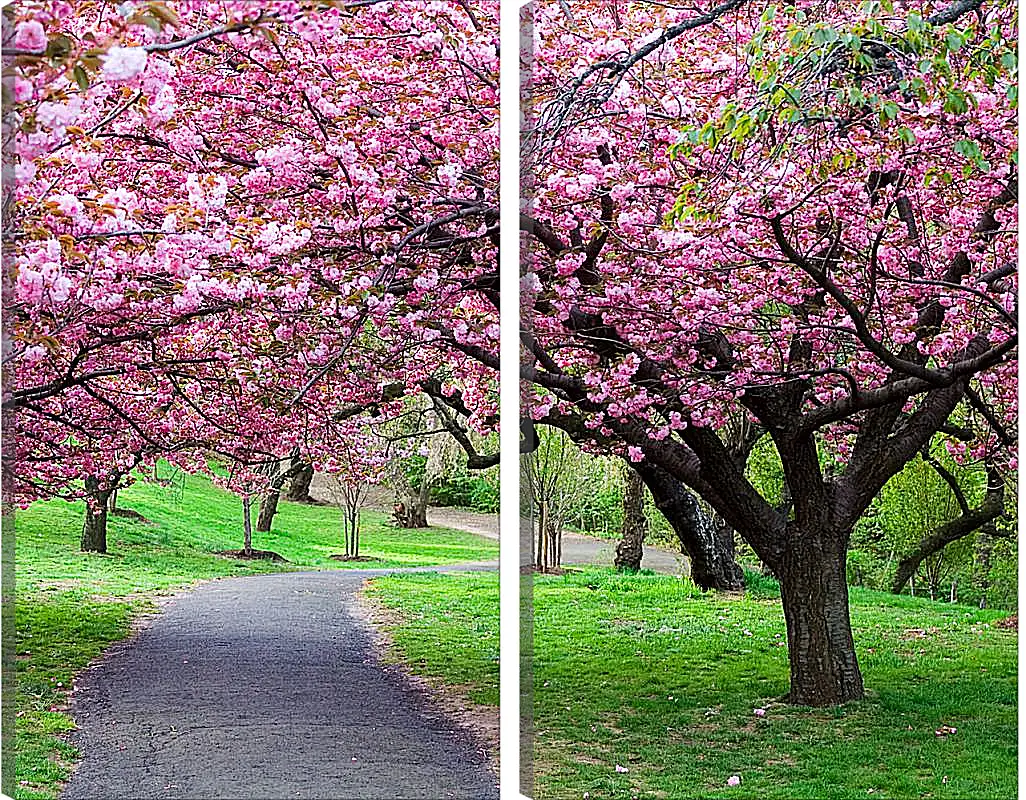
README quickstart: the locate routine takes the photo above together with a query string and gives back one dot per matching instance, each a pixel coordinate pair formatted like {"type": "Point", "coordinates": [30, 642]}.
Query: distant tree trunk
{"type": "Point", "coordinates": [94, 529]}
{"type": "Point", "coordinates": [954, 590]}
{"type": "Point", "coordinates": [268, 508]}
{"type": "Point", "coordinates": [710, 552]}
{"type": "Point", "coordinates": [412, 511]}
{"type": "Point", "coordinates": [540, 554]}
{"type": "Point", "coordinates": [351, 523]}
{"type": "Point", "coordinates": [112, 501]}
{"type": "Point", "coordinates": [629, 550]}
{"type": "Point", "coordinates": [299, 487]}
{"type": "Point", "coordinates": [247, 526]}
{"type": "Point", "coordinates": [543, 525]}
{"type": "Point", "coordinates": [554, 534]}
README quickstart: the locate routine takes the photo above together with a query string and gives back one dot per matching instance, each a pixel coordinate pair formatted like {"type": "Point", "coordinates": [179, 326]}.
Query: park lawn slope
{"type": "Point", "coordinates": [70, 606]}
{"type": "Point", "coordinates": [445, 627]}
{"type": "Point", "coordinates": [648, 673]}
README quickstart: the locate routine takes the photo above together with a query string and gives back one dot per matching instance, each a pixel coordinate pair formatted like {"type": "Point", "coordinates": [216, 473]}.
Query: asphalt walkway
{"type": "Point", "coordinates": [264, 687]}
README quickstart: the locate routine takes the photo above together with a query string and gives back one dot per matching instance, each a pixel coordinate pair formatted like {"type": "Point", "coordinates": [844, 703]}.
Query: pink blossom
{"type": "Point", "coordinates": [734, 780]}
{"type": "Point", "coordinates": [30, 35]}
{"type": "Point", "coordinates": [123, 63]}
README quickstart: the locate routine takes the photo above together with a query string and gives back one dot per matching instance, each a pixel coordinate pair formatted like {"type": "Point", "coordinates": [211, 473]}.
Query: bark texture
{"type": "Point", "coordinates": [268, 508]}
{"type": "Point", "coordinates": [629, 550]}
{"type": "Point", "coordinates": [710, 553]}
{"type": "Point", "coordinates": [299, 487]}
{"type": "Point", "coordinates": [814, 590]}
{"type": "Point", "coordinates": [94, 529]}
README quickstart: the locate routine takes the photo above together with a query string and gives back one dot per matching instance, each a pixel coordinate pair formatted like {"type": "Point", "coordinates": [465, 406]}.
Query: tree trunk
{"type": "Point", "coordinates": [710, 553]}
{"type": "Point", "coordinates": [412, 513]}
{"type": "Point", "coordinates": [299, 487]}
{"type": "Point", "coordinates": [543, 522]}
{"type": "Point", "coordinates": [629, 549]}
{"type": "Point", "coordinates": [112, 501]}
{"type": "Point", "coordinates": [268, 508]}
{"type": "Point", "coordinates": [94, 529]}
{"type": "Point", "coordinates": [247, 527]}
{"type": "Point", "coordinates": [416, 516]}
{"type": "Point", "coordinates": [821, 649]}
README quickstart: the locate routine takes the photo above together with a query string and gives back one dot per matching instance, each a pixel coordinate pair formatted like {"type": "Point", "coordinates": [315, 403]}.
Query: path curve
{"type": "Point", "coordinates": [578, 549]}
{"type": "Point", "coordinates": [265, 686]}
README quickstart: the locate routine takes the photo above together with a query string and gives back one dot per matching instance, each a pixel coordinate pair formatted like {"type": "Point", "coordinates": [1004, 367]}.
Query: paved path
{"type": "Point", "coordinates": [264, 687]}
{"type": "Point", "coordinates": [578, 549]}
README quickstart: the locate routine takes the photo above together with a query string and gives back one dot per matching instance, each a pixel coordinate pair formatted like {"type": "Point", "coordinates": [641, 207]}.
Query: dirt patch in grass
{"type": "Point", "coordinates": [453, 702]}
{"type": "Point", "coordinates": [128, 513]}
{"type": "Point", "coordinates": [59, 585]}
{"type": "Point", "coordinates": [254, 555]}
{"type": "Point", "coordinates": [342, 557]}
{"type": "Point", "coordinates": [1011, 623]}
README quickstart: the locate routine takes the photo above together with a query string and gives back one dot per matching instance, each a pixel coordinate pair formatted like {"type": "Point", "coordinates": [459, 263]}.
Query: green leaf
{"type": "Point", "coordinates": [81, 77]}
{"type": "Point", "coordinates": [58, 48]}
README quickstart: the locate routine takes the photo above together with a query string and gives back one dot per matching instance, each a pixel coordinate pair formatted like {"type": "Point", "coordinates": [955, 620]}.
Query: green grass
{"type": "Point", "coordinates": [648, 673]}
{"type": "Point", "coordinates": [449, 629]}
{"type": "Point", "coordinates": [70, 606]}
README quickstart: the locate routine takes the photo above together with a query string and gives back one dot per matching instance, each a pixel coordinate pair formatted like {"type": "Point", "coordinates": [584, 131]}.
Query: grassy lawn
{"type": "Point", "coordinates": [450, 627]}
{"type": "Point", "coordinates": [70, 606]}
{"type": "Point", "coordinates": [647, 673]}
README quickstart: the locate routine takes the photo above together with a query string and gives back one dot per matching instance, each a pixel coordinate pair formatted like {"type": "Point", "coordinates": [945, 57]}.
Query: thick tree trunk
{"type": "Point", "coordinates": [94, 529]}
{"type": "Point", "coordinates": [268, 508]}
{"type": "Point", "coordinates": [814, 590]}
{"type": "Point", "coordinates": [247, 527]}
{"type": "Point", "coordinates": [711, 553]}
{"type": "Point", "coordinates": [629, 550]}
{"type": "Point", "coordinates": [299, 486]}
{"type": "Point", "coordinates": [412, 511]}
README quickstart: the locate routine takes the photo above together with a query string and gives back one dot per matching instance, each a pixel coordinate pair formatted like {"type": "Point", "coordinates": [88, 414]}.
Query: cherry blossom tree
{"type": "Point", "coordinates": [354, 464]}
{"type": "Point", "coordinates": [235, 226]}
{"type": "Point", "coordinates": [799, 214]}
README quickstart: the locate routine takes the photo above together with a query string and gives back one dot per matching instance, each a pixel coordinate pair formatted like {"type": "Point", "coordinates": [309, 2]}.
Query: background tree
{"type": "Point", "coordinates": [629, 550]}
{"type": "Point", "coordinates": [354, 464]}
{"type": "Point", "coordinates": [554, 478]}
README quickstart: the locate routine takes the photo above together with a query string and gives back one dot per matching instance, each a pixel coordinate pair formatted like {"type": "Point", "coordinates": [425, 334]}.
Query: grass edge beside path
{"type": "Point", "coordinates": [454, 663]}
